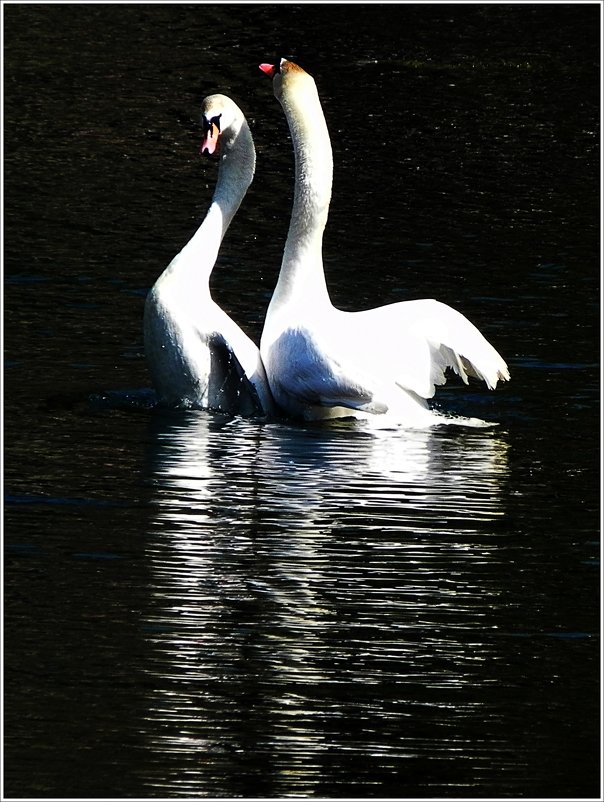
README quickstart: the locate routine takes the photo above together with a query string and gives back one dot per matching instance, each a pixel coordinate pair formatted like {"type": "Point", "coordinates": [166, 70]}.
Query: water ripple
{"type": "Point", "coordinates": [307, 575]}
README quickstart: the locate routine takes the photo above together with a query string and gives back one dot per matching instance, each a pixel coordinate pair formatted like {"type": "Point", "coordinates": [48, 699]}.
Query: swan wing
{"type": "Point", "coordinates": [237, 375]}
{"type": "Point", "coordinates": [229, 389]}
{"type": "Point", "coordinates": [311, 375]}
{"type": "Point", "coordinates": [421, 339]}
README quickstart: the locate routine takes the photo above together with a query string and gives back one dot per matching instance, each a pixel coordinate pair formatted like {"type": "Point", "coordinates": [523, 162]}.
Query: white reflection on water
{"type": "Point", "coordinates": [316, 589]}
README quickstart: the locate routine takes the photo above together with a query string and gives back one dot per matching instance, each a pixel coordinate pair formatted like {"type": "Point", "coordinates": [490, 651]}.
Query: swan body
{"type": "Point", "coordinates": [197, 355]}
{"type": "Point", "coordinates": [323, 362]}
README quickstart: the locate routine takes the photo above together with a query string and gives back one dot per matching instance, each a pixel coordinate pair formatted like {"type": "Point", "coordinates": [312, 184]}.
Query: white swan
{"type": "Point", "coordinates": [323, 362]}
{"type": "Point", "coordinates": [197, 355]}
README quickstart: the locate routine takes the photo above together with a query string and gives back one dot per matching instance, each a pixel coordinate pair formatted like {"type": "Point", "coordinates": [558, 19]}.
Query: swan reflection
{"type": "Point", "coordinates": [306, 580]}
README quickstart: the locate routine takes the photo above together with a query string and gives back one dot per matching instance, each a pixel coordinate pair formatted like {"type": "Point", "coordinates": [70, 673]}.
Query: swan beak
{"type": "Point", "coordinates": [269, 69]}
{"type": "Point", "coordinates": [210, 140]}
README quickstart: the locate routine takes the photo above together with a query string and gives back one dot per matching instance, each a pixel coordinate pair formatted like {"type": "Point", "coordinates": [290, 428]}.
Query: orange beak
{"type": "Point", "coordinates": [210, 140]}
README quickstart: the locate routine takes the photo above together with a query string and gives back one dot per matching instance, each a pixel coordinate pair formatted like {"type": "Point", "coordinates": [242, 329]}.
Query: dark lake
{"type": "Point", "coordinates": [202, 606]}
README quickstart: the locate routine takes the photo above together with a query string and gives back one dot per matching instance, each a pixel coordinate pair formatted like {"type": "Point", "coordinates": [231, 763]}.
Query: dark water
{"type": "Point", "coordinates": [203, 607]}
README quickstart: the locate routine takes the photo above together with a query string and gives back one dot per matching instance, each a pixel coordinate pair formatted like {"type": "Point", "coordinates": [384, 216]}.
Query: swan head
{"type": "Point", "coordinates": [286, 76]}
{"type": "Point", "coordinates": [222, 120]}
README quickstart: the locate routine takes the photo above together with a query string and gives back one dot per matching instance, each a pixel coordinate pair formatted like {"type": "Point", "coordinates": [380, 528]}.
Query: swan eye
{"type": "Point", "coordinates": [212, 122]}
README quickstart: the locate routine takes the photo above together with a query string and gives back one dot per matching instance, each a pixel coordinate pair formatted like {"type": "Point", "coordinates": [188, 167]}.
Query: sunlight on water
{"type": "Point", "coordinates": [305, 576]}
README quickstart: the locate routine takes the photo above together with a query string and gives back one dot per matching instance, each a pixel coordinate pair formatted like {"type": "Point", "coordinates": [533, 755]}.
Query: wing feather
{"type": "Point", "coordinates": [421, 339]}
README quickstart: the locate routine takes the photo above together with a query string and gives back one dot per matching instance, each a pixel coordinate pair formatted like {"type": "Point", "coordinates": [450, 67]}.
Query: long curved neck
{"type": "Point", "coordinates": [302, 265]}
{"type": "Point", "coordinates": [235, 174]}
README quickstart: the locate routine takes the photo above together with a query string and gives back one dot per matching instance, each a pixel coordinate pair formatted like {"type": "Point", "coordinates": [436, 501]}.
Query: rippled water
{"type": "Point", "coordinates": [321, 585]}
{"type": "Point", "coordinates": [199, 606]}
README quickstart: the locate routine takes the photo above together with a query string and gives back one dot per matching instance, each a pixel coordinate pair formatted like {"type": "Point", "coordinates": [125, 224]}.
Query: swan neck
{"type": "Point", "coordinates": [235, 174]}
{"type": "Point", "coordinates": [302, 265]}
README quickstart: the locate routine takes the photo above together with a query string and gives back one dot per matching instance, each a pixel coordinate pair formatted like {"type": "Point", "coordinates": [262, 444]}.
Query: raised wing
{"type": "Point", "coordinates": [421, 339]}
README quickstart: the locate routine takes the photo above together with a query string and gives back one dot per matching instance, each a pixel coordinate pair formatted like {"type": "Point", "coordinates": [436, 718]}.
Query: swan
{"type": "Point", "coordinates": [197, 355]}
{"type": "Point", "coordinates": [323, 362]}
